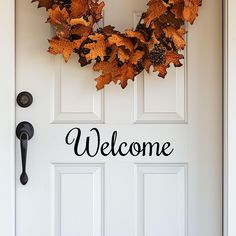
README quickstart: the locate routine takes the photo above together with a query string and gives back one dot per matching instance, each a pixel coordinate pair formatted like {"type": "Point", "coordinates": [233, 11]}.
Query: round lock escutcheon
{"type": "Point", "coordinates": [24, 99]}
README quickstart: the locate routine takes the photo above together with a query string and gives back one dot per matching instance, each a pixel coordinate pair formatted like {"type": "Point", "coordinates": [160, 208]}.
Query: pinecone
{"type": "Point", "coordinates": [157, 56]}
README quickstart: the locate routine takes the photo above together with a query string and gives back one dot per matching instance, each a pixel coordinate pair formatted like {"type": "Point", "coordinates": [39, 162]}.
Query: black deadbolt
{"type": "Point", "coordinates": [24, 99]}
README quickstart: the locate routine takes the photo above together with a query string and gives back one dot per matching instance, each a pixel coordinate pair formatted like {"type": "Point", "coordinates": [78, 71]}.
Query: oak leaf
{"type": "Point", "coordinates": [59, 19]}
{"type": "Point", "coordinates": [58, 16]}
{"type": "Point", "coordinates": [108, 30]}
{"type": "Point", "coordinates": [126, 72]}
{"type": "Point", "coordinates": [79, 8]}
{"type": "Point", "coordinates": [147, 64]}
{"type": "Point", "coordinates": [111, 72]}
{"type": "Point", "coordinates": [120, 40]}
{"type": "Point", "coordinates": [123, 55]}
{"type": "Point", "coordinates": [96, 10]}
{"type": "Point", "coordinates": [107, 69]}
{"type": "Point", "coordinates": [81, 30]}
{"type": "Point", "coordinates": [81, 21]}
{"type": "Point", "coordinates": [136, 57]}
{"type": "Point", "coordinates": [190, 11]}
{"type": "Point", "coordinates": [177, 8]}
{"type": "Point", "coordinates": [176, 36]}
{"type": "Point", "coordinates": [102, 80]}
{"type": "Point", "coordinates": [170, 19]}
{"type": "Point", "coordinates": [170, 57]}
{"type": "Point", "coordinates": [97, 48]}
{"type": "Point", "coordinates": [155, 9]}
{"type": "Point", "coordinates": [135, 34]}
{"type": "Point", "coordinates": [64, 47]}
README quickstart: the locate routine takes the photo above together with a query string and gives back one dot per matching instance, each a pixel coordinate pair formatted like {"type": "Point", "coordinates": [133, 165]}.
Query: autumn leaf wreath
{"type": "Point", "coordinates": [155, 43]}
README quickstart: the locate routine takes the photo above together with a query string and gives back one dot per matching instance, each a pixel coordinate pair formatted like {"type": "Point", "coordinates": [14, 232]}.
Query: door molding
{"type": "Point", "coordinates": [229, 117]}
{"type": "Point", "coordinates": [7, 119]}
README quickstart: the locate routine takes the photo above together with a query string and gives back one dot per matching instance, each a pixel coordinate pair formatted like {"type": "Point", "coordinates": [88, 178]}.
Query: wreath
{"type": "Point", "coordinates": [155, 43]}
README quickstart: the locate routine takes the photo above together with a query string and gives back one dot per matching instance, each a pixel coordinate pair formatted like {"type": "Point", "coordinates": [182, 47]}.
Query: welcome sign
{"type": "Point", "coordinates": [114, 148]}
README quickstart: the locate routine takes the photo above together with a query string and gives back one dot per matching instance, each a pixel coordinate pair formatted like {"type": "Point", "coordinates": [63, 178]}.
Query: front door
{"type": "Point", "coordinates": [172, 188]}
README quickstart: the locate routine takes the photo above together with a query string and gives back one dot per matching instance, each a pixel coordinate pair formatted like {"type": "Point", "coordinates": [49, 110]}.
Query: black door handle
{"type": "Point", "coordinates": [24, 132]}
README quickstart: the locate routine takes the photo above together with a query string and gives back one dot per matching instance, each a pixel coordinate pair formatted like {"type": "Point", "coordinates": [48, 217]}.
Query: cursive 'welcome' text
{"type": "Point", "coordinates": [93, 146]}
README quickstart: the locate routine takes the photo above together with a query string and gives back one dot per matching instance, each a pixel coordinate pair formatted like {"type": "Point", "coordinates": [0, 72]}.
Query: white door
{"type": "Point", "coordinates": [69, 195]}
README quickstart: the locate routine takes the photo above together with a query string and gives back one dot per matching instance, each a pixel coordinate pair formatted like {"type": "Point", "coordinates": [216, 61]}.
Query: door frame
{"type": "Point", "coordinates": [7, 119]}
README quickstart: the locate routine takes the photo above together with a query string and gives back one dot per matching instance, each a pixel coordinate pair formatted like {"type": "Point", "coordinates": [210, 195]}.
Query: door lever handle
{"type": "Point", "coordinates": [24, 132]}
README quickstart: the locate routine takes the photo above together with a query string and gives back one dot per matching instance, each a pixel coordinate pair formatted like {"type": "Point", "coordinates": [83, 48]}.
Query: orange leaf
{"type": "Point", "coordinates": [176, 36]}
{"type": "Point", "coordinates": [102, 80]}
{"type": "Point", "coordinates": [177, 8]}
{"type": "Point", "coordinates": [162, 69]}
{"type": "Point", "coordinates": [58, 16]}
{"type": "Point", "coordinates": [147, 64]}
{"type": "Point", "coordinates": [136, 57]}
{"type": "Point", "coordinates": [80, 21]}
{"type": "Point", "coordinates": [135, 34]}
{"type": "Point", "coordinates": [59, 19]}
{"type": "Point", "coordinates": [81, 30]}
{"type": "Point", "coordinates": [122, 55]}
{"type": "Point", "coordinates": [79, 8]}
{"type": "Point", "coordinates": [126, 72]}
{"type": "Point", "coordinates": [119, 40]}
{"type": "Point", "coordinates": [96, 10]}
{"type": "Point", "coordinates": [190, 10]}
{"type": "Point", "coordinates": [111, 72]}
{"type": "Point", "coordinates": [156, 9]}
{"type": "Point", "coordinates": [64, 47]}
{"type": "Point", "coordinates": [97, 49]}
{"type": "Point", "coordinates": [171, 57]}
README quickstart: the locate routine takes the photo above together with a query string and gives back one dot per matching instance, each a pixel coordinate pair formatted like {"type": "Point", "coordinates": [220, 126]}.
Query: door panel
{"type": "Point", "coordinates": [67, 195]}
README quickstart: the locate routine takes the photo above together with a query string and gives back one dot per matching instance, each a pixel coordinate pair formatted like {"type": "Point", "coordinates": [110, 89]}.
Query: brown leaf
{"type": "Point", "coordinates": [111, 72]}
{"type": "Point", "coordinates": [97, 48]}
{"type": "Point", "coordinates": [126, 72]}
{"type": "Point", "coordinates": [122, 55]}
{"type": "Point", "coordinates": [81, 21]}
{"type": "Point", "coordinates": [135, 34]}
{"type": "Point", "coordinates": [162, 69]}
{"type": "Point", "coordinates": [81, 30]}
{"type": "Point", "coordinates": [155, 9]}
{"type": "Point", "coordinates": [177, 8]}
{"type": "Point", "coordinates": [170, 19]}
{"type": "Point", "coordinates": [136, 57]}
{"type": "Point", "coordinates": [58, 16]}
{"type": "Point", "coordinates": [147, 64]}
{"type": "Point", "coordinates": [64, 47]}
{"type": "Point", "coordinates": [119, 40]}
{"type": "Point", "coordinates": [79, 8]}
{"type": "Point", "coordinates": [96, 10]}
{"type": "Point", "coordinates": [171, 57]}
{"type": "Point", "coordinates": [59, 19]}
{"type": "Point", "coordinates": [106, 68]}
{"type": "Point", "coordinates": [190, 10]}
{"type": "Point", "coordinates": [102, 80]}
{"type": "Point", "coordinates": [176, 36]}
{"type": "Point", "coordinates": [108, 30]}
{"type": "Point", "coordinates": [44, 3]}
